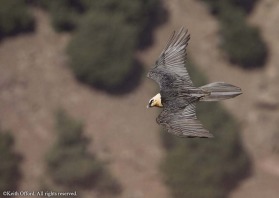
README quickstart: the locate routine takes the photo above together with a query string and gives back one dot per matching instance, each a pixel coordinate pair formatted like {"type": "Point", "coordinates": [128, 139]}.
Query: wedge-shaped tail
{"type": "Point", "coordinates": [220, 91]}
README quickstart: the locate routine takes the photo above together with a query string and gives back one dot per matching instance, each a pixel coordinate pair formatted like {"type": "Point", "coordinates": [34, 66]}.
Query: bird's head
{"type": "Point", "coordinates": [155, 101]}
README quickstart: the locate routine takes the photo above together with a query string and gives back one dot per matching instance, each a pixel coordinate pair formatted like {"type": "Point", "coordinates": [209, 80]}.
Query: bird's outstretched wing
{"type": "Point", "coordinates": [169, 70]}
{"type": "Point", "coordinates": [183, 122]}
{"type": "Point", "coordinates": [179, 113]}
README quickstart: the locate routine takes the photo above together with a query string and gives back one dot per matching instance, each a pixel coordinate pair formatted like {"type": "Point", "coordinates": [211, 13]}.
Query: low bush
{"type": "Point", "coordinates": [242, 43]}
{"type": "Point", "coordinates": [102, 51]}
{"type": "Point", "coordinates": [244, 5]}
{"type": "Point", "coordinates": [70, 165]}
{"type": "Point", "coordinates": [143, 15]}
{"type": "Point", "coordinates": [65, 14]}
{"type": "Point", "coordinates": [15, 18]}
{"type": "Point", "coordinates": [108, 33]}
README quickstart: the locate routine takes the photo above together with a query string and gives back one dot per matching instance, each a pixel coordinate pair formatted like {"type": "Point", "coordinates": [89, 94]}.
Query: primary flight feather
{"type": "Point", "coordinates": [178, 96]}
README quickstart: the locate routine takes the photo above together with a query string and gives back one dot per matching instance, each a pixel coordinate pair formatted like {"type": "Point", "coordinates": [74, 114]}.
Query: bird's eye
{"type": "Point", "coordinates": [151, 101]}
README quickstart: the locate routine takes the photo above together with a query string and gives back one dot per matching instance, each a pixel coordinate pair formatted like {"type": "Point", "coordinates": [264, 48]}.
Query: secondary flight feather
{"type": "Point", "coordinates": [178, 96]}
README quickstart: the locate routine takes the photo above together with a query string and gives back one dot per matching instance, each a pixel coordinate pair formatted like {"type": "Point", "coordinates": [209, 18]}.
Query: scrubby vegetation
{"type": "Point", "coordinates": [69, 164]}
{"type": "Point", "coordinates": [199, 168]}
{"type": "Point", "coordinates": [15, 18]}
{"type": "Point", "coordinates": [108, 33]}
{"type": "Point", "coordinates": [9, 165]}
{"type": "Point", "coordinates": [65, 14]}
{"type": "Point", "coordinates": [142, 15]}
{"type": "Point", "coordinates": [102, 51]}
{"type": "Point", "coordinates": [244, 5]}
{"type": "Point", "coordinates": [242, 42]}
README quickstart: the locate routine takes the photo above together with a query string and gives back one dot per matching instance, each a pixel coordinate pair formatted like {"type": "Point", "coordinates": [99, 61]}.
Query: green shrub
{"type": "Point", "coordinates": [245, 5]}
{"type": "Point", "coordinates": [15, 18]}
{"type": "Point", "coordinates": [242, 43]}
{"type": "Point", "coordinates": [210, 168]}
{"type": "Point", "coordinates": [102, 51]}
{"type": "Point", "coordinates": [70, 165]}
{"type": "Point", "coordinates": [143, 15]}
{"type": "Point", "coordinates": [213, 6]}
{"type": "Point", "coordinates": [65, 14]}
{"type": "Point", "coordinates": [108, 33]}
{"type": "Point", "coordinates": [9, 166]}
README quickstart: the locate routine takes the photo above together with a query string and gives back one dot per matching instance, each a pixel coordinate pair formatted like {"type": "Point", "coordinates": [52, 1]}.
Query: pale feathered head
{"type": "Point", "coordinates": [155, 101]}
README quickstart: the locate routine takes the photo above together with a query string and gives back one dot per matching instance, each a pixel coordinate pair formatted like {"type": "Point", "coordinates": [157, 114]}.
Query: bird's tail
{"type": "Point", "coordinates": [220, 91]}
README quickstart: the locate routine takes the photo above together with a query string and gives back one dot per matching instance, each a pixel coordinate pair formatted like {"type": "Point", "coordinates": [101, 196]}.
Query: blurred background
{"type": "Point", "coordinates": [73, 96]}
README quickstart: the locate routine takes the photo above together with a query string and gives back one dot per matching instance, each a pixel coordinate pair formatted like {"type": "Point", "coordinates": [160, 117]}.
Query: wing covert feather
{"type": "Point", "coordinates": [172, 59]}
{"type": "Point", "coordinates": [183, 123]}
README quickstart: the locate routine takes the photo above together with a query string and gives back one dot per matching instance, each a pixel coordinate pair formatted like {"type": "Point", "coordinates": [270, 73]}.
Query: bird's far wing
{"type": "Point", "coordinates": [183, 123]}
{"type": "Point", "coordinates": [172, 59]}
